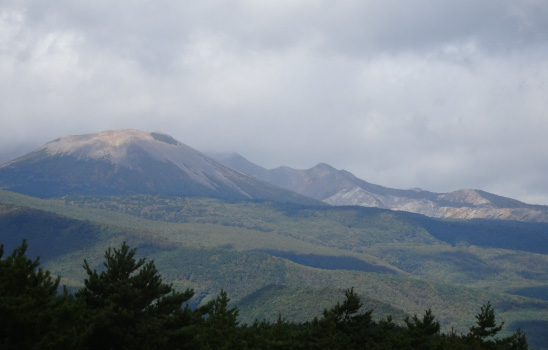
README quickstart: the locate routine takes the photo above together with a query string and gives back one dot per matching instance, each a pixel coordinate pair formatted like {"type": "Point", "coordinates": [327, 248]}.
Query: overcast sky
{"type": "Point", "coordinates": [441, 95]}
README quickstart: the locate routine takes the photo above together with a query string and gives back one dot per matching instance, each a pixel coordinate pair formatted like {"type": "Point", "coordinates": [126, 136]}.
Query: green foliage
{"type": "Point", "coordinates": [128, 306]}
{"type": "Point", "coordinates": [128, 302]}
{"type": "Point", "coordinates": [486, 329]}
{"type": "Point", "coordinates": [58, 233]}
{"type": "Point", "coordinates": [24, 288]}
{"type": "Point", "coordinates": [219, 328]}
{"type": "Point", "coordinates": [486, 325]}
{"type": "Point", "coordinates": [346, 318]}
{"type": "Point", "coordinates": [301, 304]}
{"type": "Point", "coordinates": [206, 244]}
{"type": "Point", "coordinates": [421, 332]}
{"type": "Point", "coordinates": [519, 340]}
{"type": "Point", "coordinates": [32, 313]}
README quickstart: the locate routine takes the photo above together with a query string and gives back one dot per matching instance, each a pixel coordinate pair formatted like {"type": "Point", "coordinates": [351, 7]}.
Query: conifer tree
{"type": "Point", "coordinates": [130, 307]}
{"type": "Point", "coordinates": [483, 334]}
{"type": "Point", "coordinates": [31, 311]}
{"type": "Point", "coordinates": [519, 340]}
{"type": "Point", "coordinates": [420, 332]}
{"type": "Point", "coordinates": [343, 326]}
{"type": "Point", "coordinates": [219, 329]}
{"type": "Point", "coordinates": [486, 324]}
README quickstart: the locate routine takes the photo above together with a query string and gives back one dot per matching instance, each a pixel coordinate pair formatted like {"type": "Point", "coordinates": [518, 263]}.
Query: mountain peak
{"type": "Point", "coordinates": [131, 162]}
{"type": "Point", "coordinates": [112, 145]}
{"type": "Point", "coordinates": [324, 166]}
{"type": "Point", "coordinates": [340, 187]}
{"type": "Point", "coordinates": [110, 138]}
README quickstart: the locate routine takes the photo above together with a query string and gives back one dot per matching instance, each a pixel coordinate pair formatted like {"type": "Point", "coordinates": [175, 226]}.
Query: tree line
{"type": "Point", "coordinates": [127, 305]}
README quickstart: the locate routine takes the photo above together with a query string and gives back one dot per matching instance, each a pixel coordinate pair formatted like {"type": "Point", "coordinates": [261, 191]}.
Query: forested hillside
{"type": "Point", "coordinates": [127, 305]}
{"type": "Point", "coordinates": [266, 255]}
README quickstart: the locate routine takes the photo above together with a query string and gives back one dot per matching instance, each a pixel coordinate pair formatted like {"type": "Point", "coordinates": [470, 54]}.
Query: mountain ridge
{"type": "Point", "coordinates": [340, 187]}
{"type": "Point", "coordinates": [128, 162]}
{"type": "Point", "coordinates": [118, 162]}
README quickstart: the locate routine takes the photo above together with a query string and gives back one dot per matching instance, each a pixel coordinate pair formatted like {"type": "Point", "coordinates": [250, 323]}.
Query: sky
{"type": "Point", "coordinates": [438, 95]}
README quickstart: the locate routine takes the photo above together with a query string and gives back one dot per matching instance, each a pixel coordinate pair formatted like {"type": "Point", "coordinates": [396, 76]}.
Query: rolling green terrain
{"type": "Point", "coordinates": [270, 257]}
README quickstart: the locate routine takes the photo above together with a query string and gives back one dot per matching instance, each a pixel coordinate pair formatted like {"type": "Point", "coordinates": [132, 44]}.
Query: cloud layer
{"type": "Point", "coordinates": [435, 95]}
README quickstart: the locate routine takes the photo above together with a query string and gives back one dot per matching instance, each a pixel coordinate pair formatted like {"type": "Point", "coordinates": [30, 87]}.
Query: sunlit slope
{"type": "Point", "coordinates": [244, 247]}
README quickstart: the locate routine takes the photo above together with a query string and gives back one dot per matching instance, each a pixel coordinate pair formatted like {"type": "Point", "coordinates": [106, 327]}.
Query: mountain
{"type": "Point", "coordinates": [340, 187]}
{"type": "Point", "coordinates": [130, 162]}
{"type": "Point", "coordinates": [274, 258]}
{"type": "Point", "coordinates": [182, 209]}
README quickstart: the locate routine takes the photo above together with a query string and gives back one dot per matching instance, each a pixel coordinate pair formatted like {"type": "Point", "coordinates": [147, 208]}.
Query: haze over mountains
{"type": "Point", "coordinates": [339, 187]}
{"type": "Point", "coordinates": [132, 161]}
{"type": "Point", "coordinates": [129, 162]}
{"type": "Point", "coordinates": [271, 235]}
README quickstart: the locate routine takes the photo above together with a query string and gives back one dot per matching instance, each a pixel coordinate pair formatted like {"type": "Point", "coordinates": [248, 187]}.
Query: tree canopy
{"type": "Point", "coordinates": [128, 302]}
{"type": "Point", "coordinates": [127, 305]}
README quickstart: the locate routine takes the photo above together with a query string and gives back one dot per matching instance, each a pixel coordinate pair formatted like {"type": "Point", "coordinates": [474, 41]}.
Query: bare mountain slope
{"type": "Point", "coordinates": [129, 162]}
{"type": "Point", "coordinates": [339, 187]}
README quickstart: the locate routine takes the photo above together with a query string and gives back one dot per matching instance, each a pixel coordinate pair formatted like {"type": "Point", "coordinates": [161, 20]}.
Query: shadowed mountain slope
{"type": "Point", "coordinates": [130, 162]}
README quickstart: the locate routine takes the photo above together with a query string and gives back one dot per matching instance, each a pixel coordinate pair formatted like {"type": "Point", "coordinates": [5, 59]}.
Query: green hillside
{"type": "Point", "coordinates": [271, 252]}
{"type": "Point", "coordinates": [297, 303]}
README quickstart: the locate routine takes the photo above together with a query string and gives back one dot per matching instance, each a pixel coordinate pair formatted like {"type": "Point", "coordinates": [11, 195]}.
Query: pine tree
{"type": "Point", "coordinates": [486, 324]}
{"type": "Point", "coordinates": [519, 341]}
{"type": "Point", "coordinates": [483, 334]}
{"type": "Point", "coordinates": [420, 332]}
{"type": "Point", "coordinates": [130, 307]}
{"type": "Point", "coordinates": [219, 329]}
{"type": "Point", "coordinates": [343, 326]}
{"type": "Point", "coordinates": [31, 311]}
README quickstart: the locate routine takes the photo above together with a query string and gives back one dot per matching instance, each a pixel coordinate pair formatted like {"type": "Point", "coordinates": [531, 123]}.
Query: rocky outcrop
{"type": "Point", "coordinates": [463, 204]}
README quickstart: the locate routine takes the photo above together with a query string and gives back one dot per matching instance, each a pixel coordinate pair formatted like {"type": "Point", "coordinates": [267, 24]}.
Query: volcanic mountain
{"type": "Point", "coordinates": [131, 162]}
{"type": "Point", "coordinates": [340, 187]}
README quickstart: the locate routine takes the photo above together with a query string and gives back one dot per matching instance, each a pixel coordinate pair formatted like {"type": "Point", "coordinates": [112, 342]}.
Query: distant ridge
{"type": "Point", "coordinates": [123, 162]}
{"type": "Point", "coordinates": [130, 162]}
{"type": "Point", "coordinates": [340, 187]}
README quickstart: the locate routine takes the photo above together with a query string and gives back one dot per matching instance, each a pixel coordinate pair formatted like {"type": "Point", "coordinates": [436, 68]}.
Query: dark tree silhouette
{"type": "Point", "coordinates": [32, 313]}
{"type": "Point", "coordinates": [420, 333]}
{"type": "Point", "coordinates": [130, 307]}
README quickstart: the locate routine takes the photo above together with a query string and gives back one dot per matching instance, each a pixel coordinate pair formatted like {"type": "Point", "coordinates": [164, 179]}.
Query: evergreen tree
{"type": "Point", "coordinates": [420, 333]}
{"type": "Point", "coordinates": [519, 341]}
{"type": "Point", "coordinates": [32, 314]}
{"type": "Point", "coordinates": [342, 326]}
{"type": "Point", "coordinates": [482, 335]}
{"type": "Point", "coordinates": [384, 335]}
{"type": "Point", "coordinates": [130, 307]}
{"type": "Point", "coordinates": [25, 290]}
{"type": "Point", "coordinates": [486, 324]}
{"type": "Point", "coordinates": [219, 327]}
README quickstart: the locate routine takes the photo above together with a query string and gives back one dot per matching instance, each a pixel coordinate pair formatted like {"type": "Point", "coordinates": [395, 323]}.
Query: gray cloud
{"type": "Point", "coordinates": [434, 95]}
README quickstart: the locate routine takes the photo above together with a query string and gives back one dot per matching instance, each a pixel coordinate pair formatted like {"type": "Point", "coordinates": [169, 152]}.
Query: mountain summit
{"type": "Point", "coordinates": [340, 187]}
{"type": "Point", "coordinates": [131, 162]}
